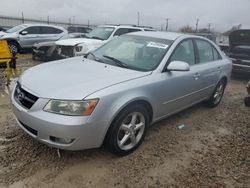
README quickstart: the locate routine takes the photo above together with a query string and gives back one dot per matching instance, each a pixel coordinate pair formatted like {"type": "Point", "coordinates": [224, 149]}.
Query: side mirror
{"type": "Point", "coordinates": [24, 32]}
{"type": "Point", "coordinates": [178, 66]}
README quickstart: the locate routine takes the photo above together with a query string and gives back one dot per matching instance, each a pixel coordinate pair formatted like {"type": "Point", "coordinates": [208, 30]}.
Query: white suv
{"type": "Point", "coordinates": [26, 35]}
{"type": "Point", "coordinates": [96, 38]}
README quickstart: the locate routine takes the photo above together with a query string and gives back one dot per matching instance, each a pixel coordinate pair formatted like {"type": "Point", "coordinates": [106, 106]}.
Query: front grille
{"type": "Point", "coordinates": [24, 98]}
{"type": "Point", "coordinates": [67, 51]}
{"type": "Point", "coordinates": [32, 131]}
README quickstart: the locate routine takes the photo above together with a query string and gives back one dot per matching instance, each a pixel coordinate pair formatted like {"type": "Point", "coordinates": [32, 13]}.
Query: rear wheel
{"type": "Point", "coordinates": [128, 130]}
{"type": "Point", "coordinates": [247, 101]}
{"type": "Point", "coordinates": [217, 94]}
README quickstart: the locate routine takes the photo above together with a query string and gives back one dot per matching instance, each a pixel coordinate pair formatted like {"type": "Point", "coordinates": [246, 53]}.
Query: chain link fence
{"type": "Point", "coordinates": [8, 22]}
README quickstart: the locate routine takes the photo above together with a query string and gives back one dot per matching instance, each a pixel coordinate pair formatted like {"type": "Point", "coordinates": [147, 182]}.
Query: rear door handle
{"type": "Point", "coordinates": [219, 69]}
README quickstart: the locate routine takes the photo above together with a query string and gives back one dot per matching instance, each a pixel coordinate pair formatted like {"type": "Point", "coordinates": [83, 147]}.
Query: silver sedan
{"type": "Point", "coordinates": [112, 95]}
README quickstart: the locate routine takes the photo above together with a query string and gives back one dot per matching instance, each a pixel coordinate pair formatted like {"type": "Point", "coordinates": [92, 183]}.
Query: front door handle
{"type": "Point", "coordinates": [219, 69]}
{"type": "Point", "coordinates": [197, 76]}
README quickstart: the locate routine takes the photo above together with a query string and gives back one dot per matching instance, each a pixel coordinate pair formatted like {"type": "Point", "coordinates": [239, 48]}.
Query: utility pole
{"type": "Point", "coordinates": [138, 18]}
{"type": "Point", "coordinates": [22, 18]}
{"type": "Point", "coordinates": [209, 27]}
{"type": "Point", "coordinates": [69, 21]}
{"type": "Point", "coordinates": [167, 20]}
{"type": "Point", "coordinates": [161, 27]}
{"type": "Point", "coordinates": [197, 24]}
{"type": "Point", "coordinates": [48, 20]}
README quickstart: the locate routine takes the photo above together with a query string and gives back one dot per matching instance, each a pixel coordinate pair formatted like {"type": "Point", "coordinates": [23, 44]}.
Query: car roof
{"type": "Point", "coordinates": [37, 24]}
{"type": "Point", "coordinates": [158, 34]}
{"type": "Point", "coordinates": [126, 26]}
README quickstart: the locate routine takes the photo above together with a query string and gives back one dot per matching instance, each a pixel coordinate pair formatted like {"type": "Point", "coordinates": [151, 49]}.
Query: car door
{"type": "Point", "coordinates": [177, 90]}
{"type": "Point", "coordinates": [210, 64]}
{"type": "Point", "coordinates": [27, 40]}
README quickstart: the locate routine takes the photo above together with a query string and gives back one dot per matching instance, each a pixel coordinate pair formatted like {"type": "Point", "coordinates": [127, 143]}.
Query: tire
{"type": "Point", "coordinates": [247, 101]}
{"type": "Point", "coordinates": [13, 46]}
{"type": "Point", "coordinates": [128, 130]}
{"type": "Point", "coordinates": [217, 95]}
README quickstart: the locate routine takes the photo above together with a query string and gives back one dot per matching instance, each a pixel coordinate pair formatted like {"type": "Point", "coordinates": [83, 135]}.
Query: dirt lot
{"type": "Point", "coordinates": [212, 150]}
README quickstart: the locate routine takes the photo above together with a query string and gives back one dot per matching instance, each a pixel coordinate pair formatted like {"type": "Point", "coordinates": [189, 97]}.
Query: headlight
{"type": "Point", "coordinates": [78, 48]}
{"type": "Point", "coordinates": [81, 48]}
{"type": "Point", "coordinates": [71, 108]}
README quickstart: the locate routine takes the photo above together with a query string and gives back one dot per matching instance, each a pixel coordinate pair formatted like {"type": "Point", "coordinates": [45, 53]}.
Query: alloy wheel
{"type": "Point", "coordinates": [131, 130]}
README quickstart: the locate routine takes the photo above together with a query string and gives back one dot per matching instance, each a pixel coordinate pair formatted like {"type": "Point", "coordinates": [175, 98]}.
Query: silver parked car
{"type": "Point", "coordinates": [26, 35]}
{"type": "Point", "coordinates": [113, 94]}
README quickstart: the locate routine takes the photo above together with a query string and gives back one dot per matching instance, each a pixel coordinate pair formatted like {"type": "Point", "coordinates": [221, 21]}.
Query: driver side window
{"type": "Point", "coordinates": [184, 52]}
{"type": "Point", "coordinates": [33, 30]}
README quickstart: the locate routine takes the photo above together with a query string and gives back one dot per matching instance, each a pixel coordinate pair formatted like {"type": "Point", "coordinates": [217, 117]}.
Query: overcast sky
{"type": "Point", "coordinates": [222, 14]}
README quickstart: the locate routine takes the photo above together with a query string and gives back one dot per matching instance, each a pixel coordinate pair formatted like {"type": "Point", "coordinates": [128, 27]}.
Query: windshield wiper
{"type": "Point", "coordinates": [117, 61]}
{"type": "Point", "coordinates": [95, 37]}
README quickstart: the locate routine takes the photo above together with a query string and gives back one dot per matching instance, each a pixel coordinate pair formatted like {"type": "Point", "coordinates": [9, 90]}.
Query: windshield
{"type": "Point", "coordinates": [71, 35]}
{"type": "Point", "coordinates": [102, 33]}
{"type": "Point", "coordinates": [133, 52]}
{"type": "Point", "coordinates": [16, 28]}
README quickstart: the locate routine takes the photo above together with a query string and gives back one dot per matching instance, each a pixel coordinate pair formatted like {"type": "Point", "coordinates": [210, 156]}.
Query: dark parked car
{"type": "Point", "coordinates": [239, 50]}
{"type": "Point", "coordinates": [247, 99]}
{"type": "Point", "coordinates": [46, 51]}
{"type": "Point", "coordinates": [79, 29]}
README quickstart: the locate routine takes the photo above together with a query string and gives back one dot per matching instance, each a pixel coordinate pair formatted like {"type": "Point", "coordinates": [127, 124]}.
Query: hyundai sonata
{"type": "Point", "coordinates": [114, 93]}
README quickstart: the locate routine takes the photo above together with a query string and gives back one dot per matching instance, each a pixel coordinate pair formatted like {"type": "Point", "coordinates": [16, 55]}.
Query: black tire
{"type": "Point", "coordinates": [13, 46]}
{"type": "Point", "coordinates": [213, 101]}
{"type": "Point", "coordinates": [247, 101]}
{"type": "Point", "coordinates": [117, 131]}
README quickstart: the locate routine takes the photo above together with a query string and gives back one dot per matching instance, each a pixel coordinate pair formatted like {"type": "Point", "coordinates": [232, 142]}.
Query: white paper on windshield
{"type": "Point", "coordinates": [157, 45]}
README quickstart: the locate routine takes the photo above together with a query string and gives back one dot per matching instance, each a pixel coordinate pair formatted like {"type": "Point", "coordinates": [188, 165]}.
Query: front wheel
{"type": "Point", "coordinates": [247, 101]}
{"type": "Point", "coordinates": [13, 47]}
{"type": "Point", "coordinates": [217, 95]}
{"type": "Point", "coordinates": [128, 130]}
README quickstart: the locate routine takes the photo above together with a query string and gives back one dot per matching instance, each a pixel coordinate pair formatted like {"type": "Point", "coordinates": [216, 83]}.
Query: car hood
{"type": "Point", "coordinates": [239, 37]}
{"type": "Point", "coordinates": [4, 35]}
{"type": "Point", "coordinates": [74, 78]}
{"type": "Point", "coordinates": [43, 44]}
{"type": "Point", "coordinates": [75, 41]}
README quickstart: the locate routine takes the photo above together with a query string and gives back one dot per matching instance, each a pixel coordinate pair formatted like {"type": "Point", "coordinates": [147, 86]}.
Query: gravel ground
{"type": "Point", "coordinates": [212, 150]}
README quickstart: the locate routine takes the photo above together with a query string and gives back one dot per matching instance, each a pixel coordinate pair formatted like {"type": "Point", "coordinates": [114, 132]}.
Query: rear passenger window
{"type": "Point", "coordinates": [50, 30]}
{"type": "Point", "coordinates": [205, 51]}
{"type": "Point", "coordinates": [184, 52]}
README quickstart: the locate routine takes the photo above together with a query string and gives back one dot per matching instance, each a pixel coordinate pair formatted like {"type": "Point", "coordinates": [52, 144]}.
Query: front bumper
{"type": "Point", "coordinates": [45, 127]}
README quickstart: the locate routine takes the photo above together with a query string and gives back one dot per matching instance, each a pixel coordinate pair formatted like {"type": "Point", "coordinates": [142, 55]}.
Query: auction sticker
{"type": "Point", "coordinates": [157, 45]}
